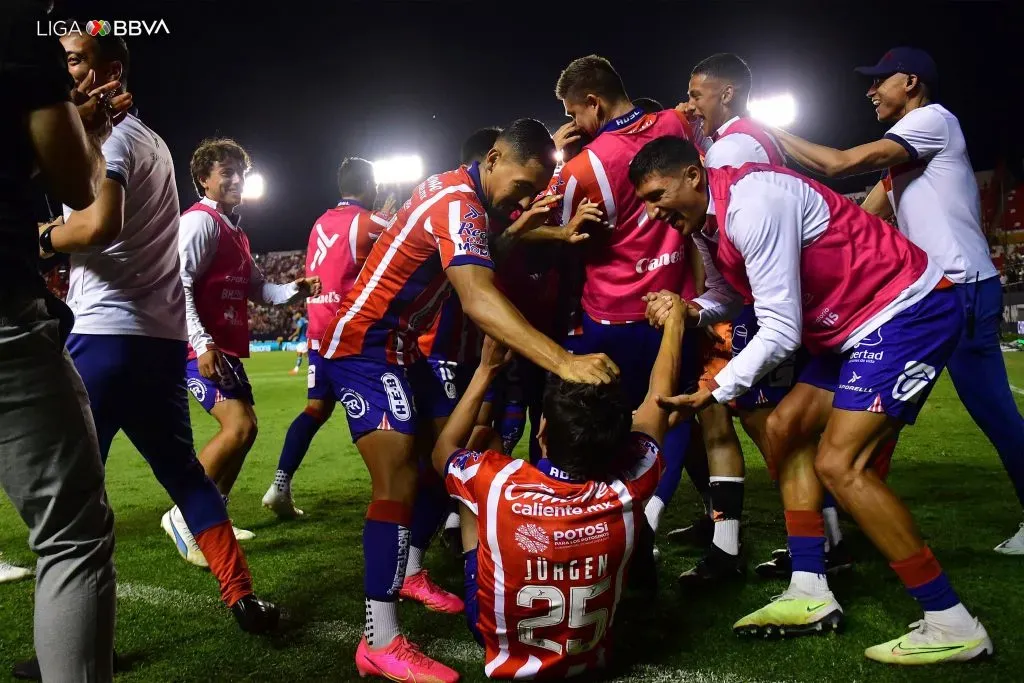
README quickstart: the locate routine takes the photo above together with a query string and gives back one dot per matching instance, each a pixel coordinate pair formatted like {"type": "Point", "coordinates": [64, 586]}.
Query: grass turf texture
{"type": "Point", "coordinates": [170, 627]}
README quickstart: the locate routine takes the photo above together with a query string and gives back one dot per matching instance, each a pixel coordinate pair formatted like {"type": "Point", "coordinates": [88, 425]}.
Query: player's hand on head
{"type": "Point", "coordinates": [309, 286]}
{"type": "Point", "coordinates": [588, 215]}
{"type": "Point", "coordinates": [594, 368]}
{"type": "Point", "coordinates": [566, 134]}
{"type": "Point", "coordinates": [390, 205]}
{"type": "Point", "coordinates": [535, 216]}
{"type": "Point", "coordinates": [494, 355]}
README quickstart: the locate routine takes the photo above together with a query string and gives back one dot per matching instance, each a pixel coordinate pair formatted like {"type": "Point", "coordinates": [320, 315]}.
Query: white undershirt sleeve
{"type": "Point", "coordinates": [767, 232]}
{"type": "Point", "coordinates": [197, 245]}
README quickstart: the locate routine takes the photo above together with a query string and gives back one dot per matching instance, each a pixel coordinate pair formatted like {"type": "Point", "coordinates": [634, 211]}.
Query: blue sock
{"type": "Point", "coordinates": [472, 608]}
{"type": "Point", "coordinates": [429, 511]}
{"type": "Point", "coordinates": [298, 362]}
{"type": "Point", "coordinates": [296, 442]}
{"type": "Point", "coordinates": [805, 532]}
{"type": "Point", "coordinates": [925, 581]}
{"type": "Point", "coordinates": [385, 550]}
{"type": "Point", "coordinates": [677, 441]}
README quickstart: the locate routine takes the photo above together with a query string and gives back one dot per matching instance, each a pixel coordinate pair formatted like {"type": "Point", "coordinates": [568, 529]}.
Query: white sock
{"type": "Point", "coordinates": [283, 481]}
{"type": "Point", "coordinates": [809, 583]}
{"type": "Point", "coordinates": [833, 534]}
{"type": "Point", "coordinates": [655, 506]}
{"type": "Point", "coordinates": [381, 623]}
{"type": "Point", "coordinates": [453, 521]}
{"type": "Point", "coordinates": [415, 564]}
{"type": "Point", "coordinates": [727, 536]}
{"type": "Point", "coordinates": [956, 619]}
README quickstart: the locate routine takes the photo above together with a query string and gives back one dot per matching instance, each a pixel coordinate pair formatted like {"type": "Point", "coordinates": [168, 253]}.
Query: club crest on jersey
{"type": "Point", "coordinates": [466, 459]}
{"type": "Point", "coordinates": [472, 214]}
{"type": "Point", "coordinates": [532, 538]}
{"type": "Point", "coordinates": [355, 404]}
{"type": "Point", "coordinates": [399, 403]}
{"type": "Point", "coordinates": [197, 388]}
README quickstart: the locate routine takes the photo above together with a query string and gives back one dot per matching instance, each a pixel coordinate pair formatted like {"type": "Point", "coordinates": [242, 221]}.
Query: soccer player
{"type": "Point", "coordinates": [930, 185]}
{"type": "Point", "coordinates": [629, 258]}
{"type": "Point", "coordinates": [298, 336]}
{"type": "Point", "coordinates": [219, 276]}
{"type": "Point", "coordinates": [718, 91]}
{"type": "Point", "coordinates": [122, 328]}
{"type": "Point", "coordinates": [880, 327]}
{"type": "Point", "coordinates": [338, 245]}
{"type": "Point", "coordinates": [555, 540]}
{"type": "Point", "coordinates": [437, 241]}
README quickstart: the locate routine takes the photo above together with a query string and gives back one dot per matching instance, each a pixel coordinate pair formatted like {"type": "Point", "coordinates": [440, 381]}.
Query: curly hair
{"type": "Point", "coordinates": [209, 152]}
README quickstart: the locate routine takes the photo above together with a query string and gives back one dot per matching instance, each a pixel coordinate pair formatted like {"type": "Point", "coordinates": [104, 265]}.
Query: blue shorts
{"type": "Point", "coordinates": [375, 393]}
{"type": "Point", "coordinates": [634, 348]}
{"type": "Point", "coordinates": [209, 393]}
{"type": "Point", "coordinates": [318, 387]}
{"type": "Point", "coordinates": [894, 368]}
{"type": "Point", "coordinates": [437, 386]}
{"type": "Point", "coordinates": [771, 388]}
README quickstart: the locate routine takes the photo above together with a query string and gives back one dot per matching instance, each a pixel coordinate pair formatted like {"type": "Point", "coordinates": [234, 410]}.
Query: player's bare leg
{"type": "Point", "coordinates": [431, 504]}
{"type": "Point", "coordinates": [948, 631]}
{"type": "Point", "coordinates": [223, 455]}
{"type": "Point", "coordinates": [808, 605]}
{"type": "Point", "coordinates": [725, 465]}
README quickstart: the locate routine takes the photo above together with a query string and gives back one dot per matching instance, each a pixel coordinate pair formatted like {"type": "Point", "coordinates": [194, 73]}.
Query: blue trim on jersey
{"type": "Point", "coordinates": [114, 175]}
{"type": "Point", "coordinates": [474, 173]}
{"type": "Point", "coordinates": [352, 202]}
{"type": "Point", "coordinates": [622, 121]}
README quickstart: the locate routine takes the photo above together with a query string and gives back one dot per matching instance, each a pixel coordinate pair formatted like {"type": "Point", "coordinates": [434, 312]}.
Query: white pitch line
{"type": "Point", "coordinates": [443, 649]}
{"type": "Point", "coordinates": [1016, 390]}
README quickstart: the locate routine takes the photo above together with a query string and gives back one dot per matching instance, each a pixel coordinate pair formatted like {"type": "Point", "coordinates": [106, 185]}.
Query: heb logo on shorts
{"type": "Point", "coordinates": [584, 535]}
{"type": "Point", "coordinates": [862, 354]}
{"type": "Point", "coordinates": [397, 400]}
{"type": "Point", "coordinates": [651, 264]}
{"type": "Point", "coordinates": [912, 381]}
{"type": "Point", "coordinates": [355, 404]}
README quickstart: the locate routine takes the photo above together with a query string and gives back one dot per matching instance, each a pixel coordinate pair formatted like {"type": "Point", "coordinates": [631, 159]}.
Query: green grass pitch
{"type": "Point", "coordinates": [171, 628]}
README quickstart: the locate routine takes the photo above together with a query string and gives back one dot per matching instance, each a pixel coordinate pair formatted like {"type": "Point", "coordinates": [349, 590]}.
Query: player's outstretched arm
{"type": "Point", "coordinates": [650, 418]}
{"type": "Point", "coordinates": [498, 318]}
{"type": "Point", "coordinates": [459, 427]}
{"type": "Point", "coordinates": [873, 156]}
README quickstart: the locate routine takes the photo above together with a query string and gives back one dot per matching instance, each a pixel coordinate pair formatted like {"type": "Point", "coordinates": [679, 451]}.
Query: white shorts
{"type": "Point", "coordinates": [302, 347]}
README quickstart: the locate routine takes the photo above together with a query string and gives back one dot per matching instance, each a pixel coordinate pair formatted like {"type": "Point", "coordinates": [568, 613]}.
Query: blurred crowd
{"type": "Point", "coordinates": [267, 323]}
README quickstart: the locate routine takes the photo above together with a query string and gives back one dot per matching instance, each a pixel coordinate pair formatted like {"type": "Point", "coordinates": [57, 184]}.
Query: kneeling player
{"type": "Point", "coordinates": [556, 540]}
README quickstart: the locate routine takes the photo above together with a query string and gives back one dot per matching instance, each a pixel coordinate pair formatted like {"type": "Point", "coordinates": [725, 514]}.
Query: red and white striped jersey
{"type": "Point", "coordinates": [552, 557]}
{"type": "Point", "coordinates": [400, 290]}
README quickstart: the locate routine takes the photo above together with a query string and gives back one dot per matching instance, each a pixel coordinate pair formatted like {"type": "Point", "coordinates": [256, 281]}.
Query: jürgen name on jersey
{"type": "Point", "coordinates": [588, 568]}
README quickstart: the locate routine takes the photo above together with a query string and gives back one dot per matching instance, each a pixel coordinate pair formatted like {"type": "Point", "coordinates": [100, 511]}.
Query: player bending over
{"type": "Point", "coordinates": [555, 540]}
{"type": "Point", "coordinates": [880, 321]}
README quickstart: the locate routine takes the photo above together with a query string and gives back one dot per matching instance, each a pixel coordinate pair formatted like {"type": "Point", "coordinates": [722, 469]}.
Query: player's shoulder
{"type": "Point", "coordinates": [735, 150]}
{"type": "Point", "coordinates": [470, 462]}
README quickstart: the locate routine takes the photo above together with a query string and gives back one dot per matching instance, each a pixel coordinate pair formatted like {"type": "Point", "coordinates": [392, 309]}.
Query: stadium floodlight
{"type": "Point", "coordinates": [559, 156]}
{"type": "Point", "coordinates": [254, 186]}
{"type": "Point", "coordinates": [398, 170]}
{"type": "Point", "coordinates": [778, 110]}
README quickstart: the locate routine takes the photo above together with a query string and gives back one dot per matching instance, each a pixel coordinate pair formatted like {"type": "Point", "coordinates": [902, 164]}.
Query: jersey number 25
{"type": "Point", "coordinates": [578, 615]}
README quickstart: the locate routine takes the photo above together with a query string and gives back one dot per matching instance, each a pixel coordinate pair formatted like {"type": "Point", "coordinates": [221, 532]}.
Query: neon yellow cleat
{"type": "Point", "coordinates": [793, 614]}
{"type": "Point", "coordinates": [927, 644]}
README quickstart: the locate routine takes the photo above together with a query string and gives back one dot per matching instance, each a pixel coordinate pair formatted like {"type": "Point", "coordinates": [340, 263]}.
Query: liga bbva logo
{"type": "Point", "coordinates": [102, 27]}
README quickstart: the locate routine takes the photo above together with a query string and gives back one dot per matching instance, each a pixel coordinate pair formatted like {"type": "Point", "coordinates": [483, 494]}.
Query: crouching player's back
{"type": "Point", "coordinates": [555, 541]}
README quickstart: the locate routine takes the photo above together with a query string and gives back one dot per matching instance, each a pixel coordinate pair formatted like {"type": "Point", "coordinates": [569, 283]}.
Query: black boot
{"type": "Point", "coordinates": [256, 616]}
{"type": "Point", "coordinates": [717, 566]}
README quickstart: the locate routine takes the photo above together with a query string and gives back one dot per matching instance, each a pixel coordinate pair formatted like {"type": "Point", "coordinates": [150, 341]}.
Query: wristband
{"type": "Point", "coordinates": [46, 240]}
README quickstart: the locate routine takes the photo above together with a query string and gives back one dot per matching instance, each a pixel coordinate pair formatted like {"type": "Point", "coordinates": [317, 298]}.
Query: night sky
{"type": "Point", "coordinates": [306, 84]}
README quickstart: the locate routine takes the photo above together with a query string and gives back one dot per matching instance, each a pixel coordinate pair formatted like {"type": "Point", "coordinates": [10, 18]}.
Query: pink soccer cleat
{"type": "Point", "coordinates": [401, 661]}
{"type": "Point", "coordinates": [421, 588]}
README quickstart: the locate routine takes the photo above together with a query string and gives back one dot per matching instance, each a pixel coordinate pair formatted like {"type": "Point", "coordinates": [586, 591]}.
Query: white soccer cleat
{"type": "Point", "coordinates": [242, 534]}
{"type": "Point", "coordinates": [174, 524]}
{"type": "Point", "coordinates": [1013, 545]}
{"type": "Point", "coordinates": [10, 573]}
{"type": "Point", "coordinates": [279, 501]}
{"type": "Point", "coordinates": [929, 644]}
